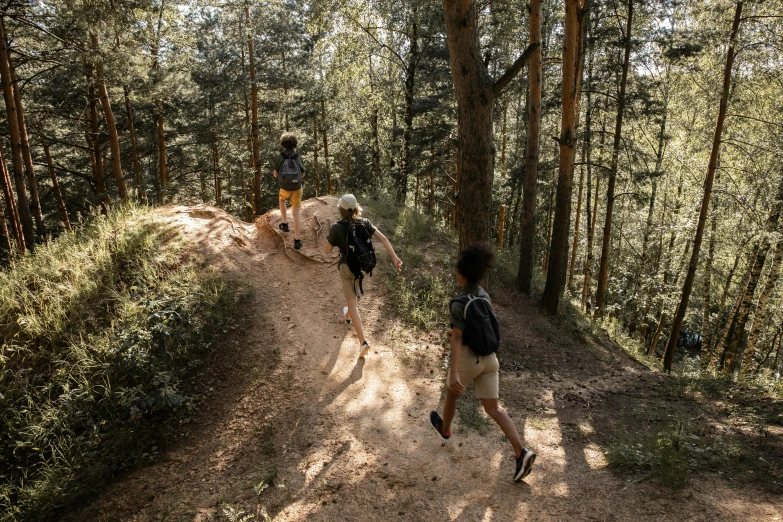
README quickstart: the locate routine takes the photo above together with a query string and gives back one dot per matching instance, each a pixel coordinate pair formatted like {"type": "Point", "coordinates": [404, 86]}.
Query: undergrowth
{"type": "Point", "coordinates": [99, 330]}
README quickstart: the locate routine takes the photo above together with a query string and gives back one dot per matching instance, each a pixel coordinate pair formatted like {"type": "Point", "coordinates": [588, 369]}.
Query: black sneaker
{"type": "Point", "coordinates": [437, 423]}
{"type": "Point", "coordinates": [283, 227]}
{"type": "Point", "coordinates": [297, 244]}
{"type": "Point", "coordinates": [524, 464]}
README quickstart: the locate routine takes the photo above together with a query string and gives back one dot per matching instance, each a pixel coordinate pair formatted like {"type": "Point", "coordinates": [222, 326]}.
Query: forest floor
{"type": "Point", "coordinates": [294, 423]}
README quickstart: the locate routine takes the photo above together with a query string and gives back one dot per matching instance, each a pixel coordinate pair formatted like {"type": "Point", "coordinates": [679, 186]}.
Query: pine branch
{"type": "Point", "coordinates": [512, 71]}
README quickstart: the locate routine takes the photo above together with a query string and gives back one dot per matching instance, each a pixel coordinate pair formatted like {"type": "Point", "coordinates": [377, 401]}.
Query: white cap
{"type": "Point", "coordinates": [348, 202]}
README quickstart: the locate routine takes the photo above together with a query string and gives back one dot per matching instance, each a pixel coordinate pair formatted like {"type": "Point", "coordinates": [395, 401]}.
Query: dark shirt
{"type": "Point", "coordinates": [280, 158]}
{"type": "Point", "coordinates": [337, 235]}
{"type": "Point", "coordinates": [458, 309]}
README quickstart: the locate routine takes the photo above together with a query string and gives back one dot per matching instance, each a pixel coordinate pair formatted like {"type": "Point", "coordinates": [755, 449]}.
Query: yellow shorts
{"type": "Point", "coordinates": [484, 374]}
{"type": "Point", "coordinates": [349, 282]}
{"type": "Point", "coordinates": [295, 195]}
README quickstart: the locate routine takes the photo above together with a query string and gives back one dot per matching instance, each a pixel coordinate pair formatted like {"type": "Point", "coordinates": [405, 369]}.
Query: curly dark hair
{"type": "Point", "coordinates": [288, 140]}
{"type": "Point", "coordinates": [475, 261]}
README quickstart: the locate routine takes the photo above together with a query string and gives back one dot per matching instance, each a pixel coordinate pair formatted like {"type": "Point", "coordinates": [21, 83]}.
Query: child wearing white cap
{"type": "Point", "coordinates": [350, 213]}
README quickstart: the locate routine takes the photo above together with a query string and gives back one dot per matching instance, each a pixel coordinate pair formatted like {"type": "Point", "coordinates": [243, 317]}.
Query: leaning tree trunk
{"type": "Point", "coordinates": [716, 356]}
{"type": "Point", "coordinates": [572, 79]}
{"type": "Point", "coordinates": [32, 183]}
{"type": "Point", "coordinates": [603, 269]}
{"type": "Point", "coordinates": [688, 285]}
{"type": "Point", "coordinates": [475, 92]}
{"type": "Point", "coordinates": [12, 211]}
{"type": "Point", "coordinates": [526, 252]}
{"type": "Point", "coordinates": [761, 310]}
{"type": "Point", "coordinates": [16, 141]}
{"type": "Point", "coordinates": [259, 203]}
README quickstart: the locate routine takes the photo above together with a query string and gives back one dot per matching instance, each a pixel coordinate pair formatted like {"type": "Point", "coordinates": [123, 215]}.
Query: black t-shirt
{"type": "Point", "coordinates": [280, 158]}
{"type": "Point", "coordinates": [337, 235]}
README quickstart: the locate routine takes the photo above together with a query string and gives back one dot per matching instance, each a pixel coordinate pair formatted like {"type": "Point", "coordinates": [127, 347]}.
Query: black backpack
{"type": "Point", "coordinates": [482, 333]}
{"type": "Point", "coordinates": [360, 252]}
{"type": "Point", "coordinates": [290, 174]}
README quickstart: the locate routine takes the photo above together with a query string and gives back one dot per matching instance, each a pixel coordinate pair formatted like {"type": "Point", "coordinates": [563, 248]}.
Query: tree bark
{"type": "Point", "coordinates": [603, 269]}
{"type": "Point", "coordinates": [705, 320]}
{"type": "Point", "coordinates": [163, 166]}
{"type": "Point", "coordinates": [688, 285]}
{"type": "Point", "coordinates": [16, 142]}
{"type": "Point", "coordinates": [56, 185]}
{"type": "Point", "coordinates": [410, 82]}
{"type": "Point", "coordinates": [719, 350]}
{"type": "Point", "coordinates": [316, 167]}
{"type": "Point", "coordinates": [32, 183]}
{"type": "Point", "coordinates": [259, 204]}
{"type": "Point", "coordinates": [138, 174]}
{"type": "Point", "coordinates": [761, 309]}
{"type": "Point", "coordinates": [475, 93]}
{"type": "Point", "coordinates": [526, 253]}
{"type": "Point", "coordinates": [329, 187]}
{"type": "Point", "coordinates": [93, 143]}
{"type": "Point", "coordinates": [572, 80]}
{"type": "Point", "coordinates": [216, 172]}
{"type": "Point", "coordinates": [11, 209]}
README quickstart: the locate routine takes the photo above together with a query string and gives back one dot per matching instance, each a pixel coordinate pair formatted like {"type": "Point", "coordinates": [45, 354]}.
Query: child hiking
{"type": "Point", "coordinates": [475, 337]}
{"type": "Point", "coordinates": [290, 173]}
{"type": "Point", "coordinates": [353, 236]}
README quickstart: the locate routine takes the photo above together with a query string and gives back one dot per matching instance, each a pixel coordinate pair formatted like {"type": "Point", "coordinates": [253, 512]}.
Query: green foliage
{"type": "Point", "coordinates": [99, 328]}
{"type": "Point", "coordinates": [419, 295]}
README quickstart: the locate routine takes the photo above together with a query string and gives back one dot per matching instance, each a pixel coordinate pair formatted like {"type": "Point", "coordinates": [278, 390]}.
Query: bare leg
{"type": "Point", "coordinates": [295, 212]}
{"type": "Point", "coordinates": [500, 416]}
{"type": "Point", "coordinates": [449, 408]}
{"type": "Point", "coordinates": [353, 313]}
{"type": "Point", "coordinates": [283, 217]}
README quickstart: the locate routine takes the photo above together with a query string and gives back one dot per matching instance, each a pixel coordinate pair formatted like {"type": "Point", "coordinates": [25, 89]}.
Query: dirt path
{"type": "Point", "coordinates": [347, 439]}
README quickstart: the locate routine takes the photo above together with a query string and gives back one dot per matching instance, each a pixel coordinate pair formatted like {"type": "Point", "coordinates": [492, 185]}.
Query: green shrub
{"type": "Point", "coordinates": [99, 329]}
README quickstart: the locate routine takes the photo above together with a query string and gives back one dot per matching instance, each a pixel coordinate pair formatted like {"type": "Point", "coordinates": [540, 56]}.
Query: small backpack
{"type": "Point", "coordinates": [359, 249]}
{"type": "Point", "coordinates": [482, 333]}
{"type": "Point", "coordinates": [290, 174]}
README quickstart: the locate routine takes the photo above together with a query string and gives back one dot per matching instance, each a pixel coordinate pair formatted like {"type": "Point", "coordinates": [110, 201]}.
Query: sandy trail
{"type": "Point", "coordinates": [350, 439]}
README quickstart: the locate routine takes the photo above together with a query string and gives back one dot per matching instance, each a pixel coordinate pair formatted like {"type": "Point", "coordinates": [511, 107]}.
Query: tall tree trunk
{"type": "Point", "coordinates": [329, 187]}
{"type": "Point", "coordinates": [317, 167]}
{"type": "Point", "coordinates": [56, 185]}
{"type": "Point", "coordinates": [93, 143]}
{"type": "Point", "coordinates": [259, 204]}
{"type": "Point", "coordinates": [163, 166]}
{"type": "Point", "coordinates": [11, 208]}
{"type": "Point", "coordinates": [688, 285]}
{"type": "Point", "coordinates": [761, 309]}
{"type": "Point", "coordinates": [575, 243]}
{"type": "Point", "coordinates": [705, 320]}
{"type": "Point", "coordinates": [16, 141]}
{"type": "Point", "coordinates": [603, 269]}
{"type": "Point", "coordinates": [526, 253]}
{"type": "Point", "coordinates": [32, 184]}
{"type": "Point", "coordinates": [4, 232]}
{"type": "Point", "coordinates": [216, 172]}
{"type": "Point", "coordinates": [720, 347]}
{"type": "Point", "coordinates": [475, 93]}
{"type": "Point", "coordinates": [410, 77]}
{"type": "Point", "coordinates": [111, 125]}
{"type": "Point", "coordinates": [572, 81]}
{"type": "Point", "coordinates": [137, 172]}
{"type": "Point", "coordinates": [587, 283]}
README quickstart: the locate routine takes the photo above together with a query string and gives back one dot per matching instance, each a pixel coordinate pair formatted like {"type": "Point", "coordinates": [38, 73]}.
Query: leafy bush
{"type": "Point", "coordinates": [98, 330]}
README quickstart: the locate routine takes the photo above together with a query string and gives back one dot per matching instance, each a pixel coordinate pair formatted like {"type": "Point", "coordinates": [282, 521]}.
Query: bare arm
{"type": "Point", "coordinates": [275, 173]}
{"type": "Point", "coordinates": [385, 241]}
{"type": "Point", "coordinates": [455, 337]}
{"type": "Point", "coordinates": [328, 248]}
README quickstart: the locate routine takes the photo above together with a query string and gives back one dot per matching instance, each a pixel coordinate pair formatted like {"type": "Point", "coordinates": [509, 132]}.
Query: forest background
{"type": "Point", "coordinates": [597, 144]}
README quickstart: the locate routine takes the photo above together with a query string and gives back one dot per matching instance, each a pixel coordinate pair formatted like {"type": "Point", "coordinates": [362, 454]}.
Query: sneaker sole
{"type": "Point", "coordinates": [365, 351]}
{"type": "Point", "coordinates": [527, 467]}
{"type": "Point", "coordinates": [345, 312]}
{"type": "Point", "coordinates": [432, 421]}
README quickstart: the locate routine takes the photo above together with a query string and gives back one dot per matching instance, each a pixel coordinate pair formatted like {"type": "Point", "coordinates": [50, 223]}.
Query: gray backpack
{"type": "Point", "coordinates": [290, 174]}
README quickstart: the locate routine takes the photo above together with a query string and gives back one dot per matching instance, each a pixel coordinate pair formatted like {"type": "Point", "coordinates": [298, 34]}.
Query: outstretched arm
{"type": "Point", "coordinates": [385, 241]}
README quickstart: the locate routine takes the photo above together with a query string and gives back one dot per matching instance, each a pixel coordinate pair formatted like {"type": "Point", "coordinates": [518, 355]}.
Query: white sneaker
{"type": "Point", "coordinates": [345, 315]}
{"type": "Point", "coordinates": [365, 349]}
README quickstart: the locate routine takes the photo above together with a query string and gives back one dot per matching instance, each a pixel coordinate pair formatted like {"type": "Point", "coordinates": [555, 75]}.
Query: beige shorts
{"type": "Point", "coordinates": [295, 195]}
{"type": "Point", "coordinates": [484, 374]}
{"type": "Point", "coordinates": [348, 281]}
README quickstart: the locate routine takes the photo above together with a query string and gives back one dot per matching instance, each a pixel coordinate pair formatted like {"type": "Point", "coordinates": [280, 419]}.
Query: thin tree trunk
{"type": "Point", "coordinates": [376, 150]}
{"type": "Point", "coordinates": [32, 184]}
{"type": "Point", "coordinates": [761, 309]}
{"type": "Point", "coordinates": [688, 285]}
{"type": "Point", "coordinates": [13, 212]}
{"type": "Point", "coordinates": [163, 167]}
{"type": "Point", "coordinates": [4, 232]}
{"type": "Point", "coordinates": [587, 283]}
{"type": "Point", "coordinates": [316, 167]}
{"type": "Point", "coordinates": [216, 172]}
{"type": "Point", "coordinates": [575, 243]}
{"type": "Point", "coordinates": [705, 320]}
{"type": "Point", "coordinates": [138, 174]}
{"type": "Point", "coordinates": [93, 139]}
{"type": "Point", "coordinates": [56, 185]}
{"type": "Point", "coordinates": [16, 142]}
{"type": "Point", "coordinates": [410, 77]}
{"type": "Point", "coordinates": [259, 204]}
{"type": "Point", "coordinates": [329, 187]}
{"type": "Point", "coordinates": [526, 253]}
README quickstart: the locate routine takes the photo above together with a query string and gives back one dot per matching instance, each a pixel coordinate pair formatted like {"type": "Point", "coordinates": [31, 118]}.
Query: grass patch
{"type": "Point", "coordinates": [421, 293]}
{"type": "Point", "coordinates": [100, 330]}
